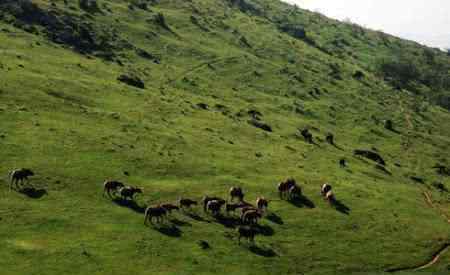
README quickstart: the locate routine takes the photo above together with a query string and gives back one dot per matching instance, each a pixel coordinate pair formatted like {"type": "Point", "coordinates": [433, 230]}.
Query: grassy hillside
{"type": "Point", "coordinates": [207, 66]}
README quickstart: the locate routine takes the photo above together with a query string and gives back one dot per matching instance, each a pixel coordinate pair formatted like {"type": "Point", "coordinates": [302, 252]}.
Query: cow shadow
{"type": "Point", "coordinates": [264, 230]}
{"type": "Point", "coordinates": [178, 222]}
{"type": "Point", "coordinates": [262, 251]}
{"type": "Point", "coordinates": [274, 218]}
{"type": "Point", "coordinates": [314, 143]}
{"type": "Point", "coordinates": [337, 146]}
{"type": "Point", "coordinates": [32, 192]}
{"type": "Point", "coordinates": [169, 230]}
{"type": "Point", "coordinates": [302, 201]}
{"type": "Point", "coordinates": [195, 217]}
{"type": "Point", "coordinates": [228, 221]}
{"type": "Point", "coordinates": [341, 207]}
{"type": "Point", "coordinates": [131, 204]}
{"type": "Point", "coordinates": [395, 131]}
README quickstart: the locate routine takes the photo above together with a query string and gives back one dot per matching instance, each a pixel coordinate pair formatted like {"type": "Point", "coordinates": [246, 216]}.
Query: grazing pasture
{"type": "Point", "coordinates": [210, 68]}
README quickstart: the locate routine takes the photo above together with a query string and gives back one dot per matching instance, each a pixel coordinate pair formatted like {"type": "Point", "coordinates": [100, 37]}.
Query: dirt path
{"type": "Point", "coordinates": [434, 258]}
{"type": "Point", "coordinates": [428, 200]}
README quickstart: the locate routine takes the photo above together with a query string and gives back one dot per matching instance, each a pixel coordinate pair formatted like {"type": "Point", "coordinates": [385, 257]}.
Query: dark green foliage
{"type": "Point", "coordinates": [90, 6]}
{"type": "Point", "coordinates": [251, 7]}
{"type": "Point", "coordinates": [430, 70]}
{"type": "Point", "coordinates": [161, 21]}
{"type": "Point", "coordinates": [293, 30]}
{"type": "Point", "coordinates": [79, 33]}
{"type": "Point", "coordinates": [132, 80]}
{"type": "Point", "coordinates": [400, 72]}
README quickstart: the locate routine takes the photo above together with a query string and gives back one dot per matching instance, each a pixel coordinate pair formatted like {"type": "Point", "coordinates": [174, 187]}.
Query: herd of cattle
{"type": "Point", "coordinates": [249, 213]}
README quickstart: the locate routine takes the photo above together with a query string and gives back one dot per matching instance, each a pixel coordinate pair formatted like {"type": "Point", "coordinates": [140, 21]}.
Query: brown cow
{"type": "Point", "coordinates": [111, 186]}
{"type": "Point", "coordinates": [325, 188]}
{"type": "Point", "coordinates": [236, 192]}
{"type": "Point", "coordinates": [251, 217]}
{"type": "Point", "coordinates": [128, 192]}
{"type": "Point", "coordinates": [329, 196]}
{"type": "Point", "coordinates": [262, 203]}
{"type": "Point", "coordinates": [284, 186]}
{"type": "Point", "coordinates": [214, 206]}
{"type": "Point", "coordinates": [207, 199]}
{"type": "Point", "coordinates": [157, 212]}
{"type": "Point", "coordinates": [19, 175]}
{"type": "Point", "coordinates": [247, 232]}
{"type": "Point", "coordinates": [169, 207]}
{"type": "Point", "coordinates": [231, 207]}
{"type": "Point", "coordinates": [186, 203]}
{"type": "Point", "coordinates": [295, 192]}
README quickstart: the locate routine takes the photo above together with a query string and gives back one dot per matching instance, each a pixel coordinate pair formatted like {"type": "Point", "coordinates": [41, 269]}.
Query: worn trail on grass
{"type": "Point", "coordinates": [429, 201]}
{"type": "Point", "coordinates": [432, 261]}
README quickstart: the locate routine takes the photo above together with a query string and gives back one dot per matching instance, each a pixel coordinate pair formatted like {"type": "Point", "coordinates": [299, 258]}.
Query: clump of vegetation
{"type": "Point", "coordinates": [160, 20]}
{"type": "Point", "coordinates": [419, 73]}
{"type": "Point", "coordinates": [294, 30]}
{"type": "Point", "coordinates": [132, 80]}
{"type": "Point", "coordinates": [90, 6]}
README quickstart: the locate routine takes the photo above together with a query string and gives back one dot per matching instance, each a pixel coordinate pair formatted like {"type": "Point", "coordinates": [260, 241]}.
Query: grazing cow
{"type": "Point", "coordinates": [330, 138]}
{"type": "Point", "coordinates": [329, 196]}
{"type": "Point", "coordinates": [251, 217]}
{"type": "Point", "coordinates": [186, 203]}
{"type": "Point", "coordinates": [325, 189]}
{"type": "Point", "coordinates": [248, 208]}
{"type": "Point", "coordinates": [128, 192]}
{"type": "Point", "coordinates": [207, 199]}
{"type": "Point", "coordinates": [295, 192]}
{"type": "Point", "coordinates": [169, 207]}
{"type": "Point", "coordinates": [262, 203]}
{"type": "Point", "coordinates": [343, 163]}
{"type": "Point", "coordinates": [214, 206]}
{"type": "Point", "coordinates": [111, 186]}
{"type": "Point", "coordinates": [248, 233]}
{"type": "Point", "coordinates": [284, 186]}
{"type": "Point", "coordinates": [19, 175]}
{"type": "Point", "coordinates": [231, 207]}
{"type": "Point", "coordinates": [156, 212]}
{"type": "Point", "coordinates": [307, 135]}
{"type": "Point", "coordinates": [236, 192]}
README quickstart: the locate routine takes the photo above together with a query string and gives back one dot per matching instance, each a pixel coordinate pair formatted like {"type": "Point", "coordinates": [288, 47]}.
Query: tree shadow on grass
{"type": "Point", "coordinates": [32, 192]}
{"type": "Point", "coordinates": [262, 251]}
{"type": "Point", "coordinates": [274, 218]}
{"type": "Point", "coordinates": [302, 201]}
{"type": "Point", "coordinates": [341, 207]}
{"type": "Point", "coordinates": [130, 204]}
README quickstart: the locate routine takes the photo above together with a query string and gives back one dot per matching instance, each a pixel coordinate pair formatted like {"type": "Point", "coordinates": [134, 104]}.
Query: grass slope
{"type": "Point", "coordinates": [65, 115]}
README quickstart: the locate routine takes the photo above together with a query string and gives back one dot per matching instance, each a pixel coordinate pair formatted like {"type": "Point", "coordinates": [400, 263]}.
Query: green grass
{"type": "Point", "coordinates": [65, 116]}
